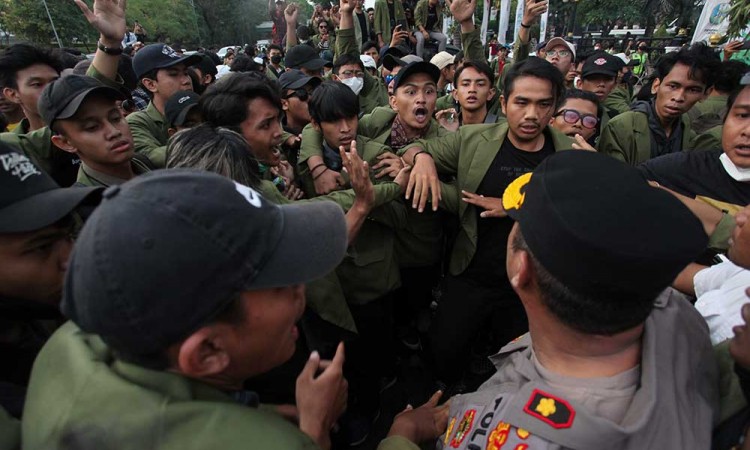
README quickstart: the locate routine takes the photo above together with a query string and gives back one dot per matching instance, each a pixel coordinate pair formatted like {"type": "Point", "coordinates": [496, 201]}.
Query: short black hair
{"type": "Point", "coordinates": [582, 95]}
{"type": "Point", "coordinates": [370, 9]}
{"type": "Point", "coordinates": [538, 68]}
{"type": "Point", "coordinates": [243, 63]}
{"type": "Point", "coordinates": [345, 60]}
{"type": "Point", "coordinates": [702, 61]}
{"type": "Point", "coordinates": [368, 45]}
{"type": "Point", "coordinates": [733, 97]}
{"type": "Point", "coordinates": [333, 101]}
{"type": "Point", "coordinates": [275, 47]}
{"type": "Point", "coordinates": [607, 314]}
{"type": "Point", "coordinates": [729, 75]}
{"type": "Point", "coordinates": [224, 104]}
{"type": "Point", "coordinates": [18, 57]}
{"type": "Point", "coordinates": [480, 66]}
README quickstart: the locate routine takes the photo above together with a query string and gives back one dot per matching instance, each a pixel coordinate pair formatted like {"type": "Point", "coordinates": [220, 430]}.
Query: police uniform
{"type": "Point", "coordinates": [675, 404]}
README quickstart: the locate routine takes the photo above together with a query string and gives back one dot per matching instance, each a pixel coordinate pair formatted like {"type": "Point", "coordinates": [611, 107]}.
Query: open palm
{"type": "Point", "coordinates": [108, 17]}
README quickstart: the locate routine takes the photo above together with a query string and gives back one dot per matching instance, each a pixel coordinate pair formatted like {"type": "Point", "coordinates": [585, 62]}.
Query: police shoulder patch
{"type": "Point", "coordinates": [463, 428]}
{"type": "Point", "coordinates": [551, 410]}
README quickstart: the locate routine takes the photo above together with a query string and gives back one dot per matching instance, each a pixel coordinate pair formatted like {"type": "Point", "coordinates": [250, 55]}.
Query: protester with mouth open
{"type": "Point", "coordinates": [660, 126]}
{"type": "Point", "coordinates": [484, 159]}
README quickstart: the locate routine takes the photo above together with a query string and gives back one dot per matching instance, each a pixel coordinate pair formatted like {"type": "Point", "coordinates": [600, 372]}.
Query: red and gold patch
{"type": "Point", "coordinates": [449, 430]}
{"type": "Point", "coordinates": [463, 428]}
{"type": "Point", "coordinates": [498, 437]}
{"type": "Point", "coordinates": [551, 410]}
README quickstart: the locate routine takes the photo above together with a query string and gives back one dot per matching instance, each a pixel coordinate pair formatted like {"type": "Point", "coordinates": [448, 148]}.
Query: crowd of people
{"type": "Point", "coordinates": [252, 252]}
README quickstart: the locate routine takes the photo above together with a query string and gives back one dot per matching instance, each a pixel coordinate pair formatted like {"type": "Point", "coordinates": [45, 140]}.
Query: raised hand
{"type": "Point", "coordinates": [291, 13]}
{"type": "Point", "coordinates": [462, 10]}
{"type": "Point", "coordinates": [107, 17]}
{"type": "Point", "coordinates": [359, 175]}
{"type": "Point", "coordinates": [532, 10]}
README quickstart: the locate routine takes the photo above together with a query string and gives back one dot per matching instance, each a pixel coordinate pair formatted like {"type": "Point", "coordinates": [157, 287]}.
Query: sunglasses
{"type": "Point", "coordinates": [572, 116]}
{"type": "Point", "coordinates": [388, 79]}
{"type": "Point", "coordinates": [301, 94]}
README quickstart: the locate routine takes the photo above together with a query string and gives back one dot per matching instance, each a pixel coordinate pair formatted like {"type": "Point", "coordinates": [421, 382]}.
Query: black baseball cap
{"type": "Point", "coordinates": [304, 56]}
{"type": "Point", "coordinates": [29, 198]}
{"type": "Point", "coordinates": [295, 79]}
{"type": "Point", "coordinates": [192, 241]}
{"type": "Point", "coordinates": [62, 98]}
{"type": "Point", "coordinates": [597, 226]}
{"type": "Point", "coordinates": [413, 68]}
{"type": "Point", "coordinates": [160, 56]}
{"type": "Point", "coordinates": [206, 65]}
{"type": "Point", "coordinates": [178, 106]}
{"type": "Point", "coordinates": [601, 63]}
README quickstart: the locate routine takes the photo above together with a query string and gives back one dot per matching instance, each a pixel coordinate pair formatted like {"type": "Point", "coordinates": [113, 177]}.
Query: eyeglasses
{"type": "Point", "coordinates": [560, 53]}
{"type": "Point", "coordinates": [572, 116]}
{"type": "Point", "coordinates": [351, 73]}
{"type": "Point", "coordinates": [302, 94]}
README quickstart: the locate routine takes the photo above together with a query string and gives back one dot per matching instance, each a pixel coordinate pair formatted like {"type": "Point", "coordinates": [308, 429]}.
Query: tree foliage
{"type": "Point", "coordinates": [739, 17]}
{"type": "Point", "coordinates": [28, 20]}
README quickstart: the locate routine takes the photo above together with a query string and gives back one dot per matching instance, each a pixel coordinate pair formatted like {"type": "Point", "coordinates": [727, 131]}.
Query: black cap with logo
{"type": "Point", "coordinates": [178, 106]}
{"type": "Point", "coordinates": [160, 56]}
{"type": "Point", "coordinates": [295, 79]}
{"type": "Point", "coordinates": [602, 63]}
{"type": "Point", "coordinates": [414, 68]}
{"type": "Point", "coordinates": [29, 198]}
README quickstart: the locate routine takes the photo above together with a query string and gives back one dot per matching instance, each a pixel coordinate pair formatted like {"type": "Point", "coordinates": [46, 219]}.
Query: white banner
{"type": "Point", "coordinates": [485, 21]}
{"type": "Point", "coordinates": [519, 18]}
{"type": "Point", "coordinates": [502, 28]}
{"type": "Point", "coordinates": [714, 19]}
{"type": "Point", "coordinates": [543, 26]}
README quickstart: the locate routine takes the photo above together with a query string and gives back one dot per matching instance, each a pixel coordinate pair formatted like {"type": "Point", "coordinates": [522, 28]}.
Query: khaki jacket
{"type": "Point", "coordinates": [150, 136]}
{"type": "Point", "coordinates": [373, 93]}
{"type": "Point", "coordinates": [710, 139]}
{"type": "Point", "coordinates": [467, 154]}
{"type": "Point", "coordinates": [383, 20]}
{"type": "Point", "coordinates": [421, 12]}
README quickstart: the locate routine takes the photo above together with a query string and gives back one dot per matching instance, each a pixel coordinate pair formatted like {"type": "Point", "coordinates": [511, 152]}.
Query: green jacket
{"type": "Point", "coordinates": [421, 14]}
{"type": "Point", "coordinates": [79, 392]}
{"type": "Point", "coordinates": [374, 92]}
{"type": "Point", "coordinates": [710, 139]}
{"type": "Point", "coordinates": [150, 136]}
{"type": "Point", "coordinates": [358, 32]}
{"type": "Point", "coordinates": [627, 137]}
{"type": "Point", "coordinates": [383, 18]}
{"type": "Point", "coordinates": [325, 295]}
{"type": "Point", "coordinates": [708, 113]}
{"type": "Point", "coordinates": [618, 99]}
{"type": "Point", "coordinates": [468, 154]}
{"type": "Point", "coordinates": [37, 146]}
{"type": "Point", "coordinates": [419, 243]}
{"type": "Point", "coordinates": [89, 177]}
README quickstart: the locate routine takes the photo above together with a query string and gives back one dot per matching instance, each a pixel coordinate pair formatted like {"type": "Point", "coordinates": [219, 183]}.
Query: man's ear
{"type": "Point", "coordinates": [392, 102]}
{"type": "Point", "coordinates": [284, 104]}
{"type": "Point", "coordinates": [203, 353]}
{"type": "Point", "coordinates": [316, 126]}
{"type": "Point", "coordinates": [655, 86]}
{"type": "Point", "coordinates": [491, 94]}
{"type": "Point", "coordinates": [523, 272]}
{"type": "Point", "coordinates": [12, 95]}
{"type": "Point", "coordinates": [171, 131]}
{"type": "Point", "coordinates": [63, 143]}
{"type": "Point", "coordinates": [502, 104]}
{"type": "Point", "coordinates": [149, 84]}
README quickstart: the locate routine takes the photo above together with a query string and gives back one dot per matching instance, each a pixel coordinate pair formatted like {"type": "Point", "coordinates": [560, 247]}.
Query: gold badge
{"type": "Point", "coordinates": [515, 193]}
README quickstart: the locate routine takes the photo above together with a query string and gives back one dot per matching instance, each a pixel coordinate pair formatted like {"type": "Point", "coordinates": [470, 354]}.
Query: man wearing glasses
{"type": "Point", "coordinates": [578, 115]}
{"type": "Point", "coordinates": [296, 89]}
{"type": "Point", "coordinates": [321, 41]}
{"type": "Point", "coordinates": [561, 54]}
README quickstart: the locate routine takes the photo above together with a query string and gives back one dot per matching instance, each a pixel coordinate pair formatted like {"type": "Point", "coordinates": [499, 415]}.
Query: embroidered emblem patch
{"type": "Point", "coordinates": [600, 61]}
{"type": "Point", "coordinates": [523, 434]}
{"type": "Point", "coordinates": [551, 410]}
{"type": "Point", "coordinates": [449, 430]}
{"type": "Point", "coordinates": [463, 428]}
{"type": "Point", "coordinates": [498, 437]}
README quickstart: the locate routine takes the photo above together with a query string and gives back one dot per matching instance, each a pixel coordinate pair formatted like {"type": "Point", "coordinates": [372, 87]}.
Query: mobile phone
{"type": "Point", "coordinates": [745, 45]}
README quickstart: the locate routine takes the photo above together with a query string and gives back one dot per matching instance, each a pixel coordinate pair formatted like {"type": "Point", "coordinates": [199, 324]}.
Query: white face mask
{"type": "Point", "coordinates": [354, 83]}
{"type": "Point", "coordinates": [738, 173]}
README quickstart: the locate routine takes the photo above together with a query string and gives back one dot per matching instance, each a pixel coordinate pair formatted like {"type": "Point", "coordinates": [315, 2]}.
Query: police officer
{"type": "Point", "coordinates": [611, 360]}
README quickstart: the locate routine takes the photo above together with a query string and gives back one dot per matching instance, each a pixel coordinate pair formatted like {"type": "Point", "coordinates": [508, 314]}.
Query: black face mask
{"type": "Point", "coordinates": [276, 59]}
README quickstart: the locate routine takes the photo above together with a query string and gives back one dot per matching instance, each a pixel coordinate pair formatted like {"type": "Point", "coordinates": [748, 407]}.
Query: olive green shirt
{"type": "Point", "coordinates": [708, 113]}
{"type": "Point", "coordinates": [94, 178]}
{"type": "Point", "coordinates": [374, 92]}
{"type": "Point", "coordinates": [150, 136]}
{"type": "Point", "coordinates": [710, 139]}
{"type": "Point", "coordinates": [80, 392]}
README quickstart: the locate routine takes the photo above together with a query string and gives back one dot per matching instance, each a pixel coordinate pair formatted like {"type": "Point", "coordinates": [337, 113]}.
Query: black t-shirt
{"type": "Point", "coordinates": [431, 18]}
{"type": "Point", "coordinates": [362, 17]}
{"type": "Point", "coordinates": [488, 265]}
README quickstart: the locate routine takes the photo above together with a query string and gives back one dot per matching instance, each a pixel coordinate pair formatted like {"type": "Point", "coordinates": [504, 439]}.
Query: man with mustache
{"type": "Point", "coordinates": [660, 126]}
{"type": "Point", "coordinates": [484, 159]}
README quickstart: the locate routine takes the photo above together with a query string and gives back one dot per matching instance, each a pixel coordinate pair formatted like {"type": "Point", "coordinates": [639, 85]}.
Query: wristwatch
{"type": "Point", "coordinates": [114, 51]}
